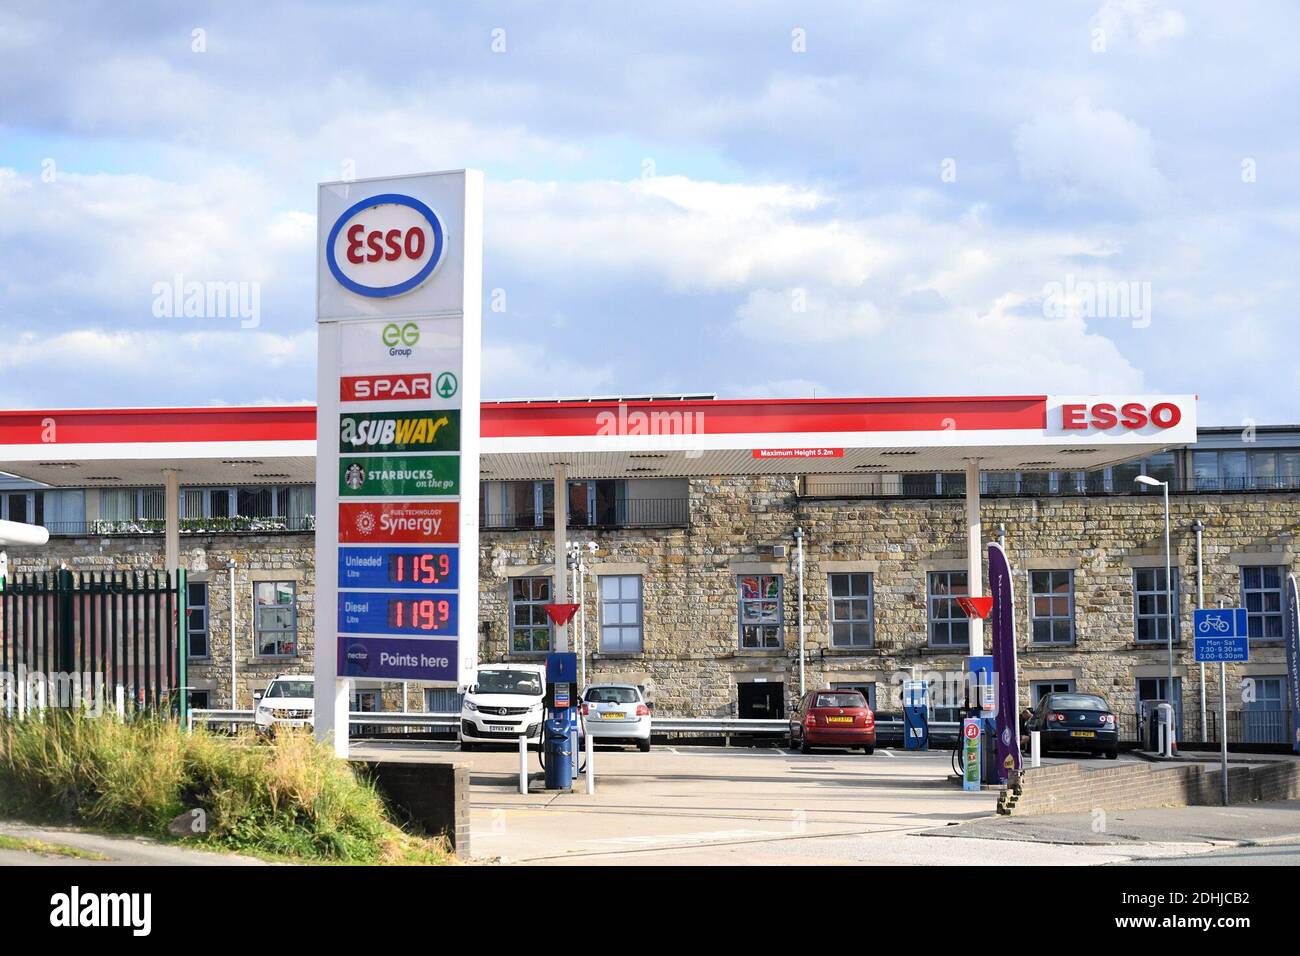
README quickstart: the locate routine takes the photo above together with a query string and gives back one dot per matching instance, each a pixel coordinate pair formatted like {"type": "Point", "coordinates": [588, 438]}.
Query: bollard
{"type": "Point", "coordinates": [591, 765]}
{"type": "Point", "coordinates": [523, 764]}
{"type": "Point", "coordinates": [1035, 748]}
{"type": "Point", "coordinates": [120, 695]}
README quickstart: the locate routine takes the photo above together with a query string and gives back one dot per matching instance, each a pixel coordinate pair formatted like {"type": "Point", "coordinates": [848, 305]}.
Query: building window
{"type": "Point", "coordinates": [1038, 689]}
{"type": "Point", "coordinates": [1261, 596]}
{"type": "Point", "coordinates": [1151, 604]}
{"type": "Point", "coordinates": [851, 611]}
{"type": "Point", "coordinates": [199, 699]}
{"type": "Point", "coordinates": [442, 700]}
{"type": "Point", "coordinates": [948, 625]}
{"type": "Point", "coordinates": [530, 628]}
{"type": "Point", "coordinates": [196, 617]}
{"type": "Point", "coordinates": [867, 690]}
{"type": "Point", "coordinates": [1264, 715]}
{"type": "Point", "coordinates": [761, 611]}
{"type": "Point", "coordinates": [1052, 601]}
{"type": "Point", "coordinates": [620, 613]}
{"type": "Point", "coordinates": [275, 618]}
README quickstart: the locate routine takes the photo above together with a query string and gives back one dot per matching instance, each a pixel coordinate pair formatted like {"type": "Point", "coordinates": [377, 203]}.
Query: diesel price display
{"type": "Point", "coordinates": [370, 613]}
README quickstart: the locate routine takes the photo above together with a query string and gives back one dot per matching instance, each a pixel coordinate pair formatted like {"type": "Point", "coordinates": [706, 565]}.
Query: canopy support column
{"type": "Point", "coordinates": [172, 516]}
{"type": "Point", "coordinates": [974, 553]}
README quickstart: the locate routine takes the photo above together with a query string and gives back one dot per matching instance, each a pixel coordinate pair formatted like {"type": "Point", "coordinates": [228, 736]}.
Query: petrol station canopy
{"type": "Point", "coordinates": [613, 438]}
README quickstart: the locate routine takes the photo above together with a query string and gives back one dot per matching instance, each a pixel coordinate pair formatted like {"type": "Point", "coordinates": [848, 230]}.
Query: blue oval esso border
{"type": "Point", "coordinates": [379, 292]}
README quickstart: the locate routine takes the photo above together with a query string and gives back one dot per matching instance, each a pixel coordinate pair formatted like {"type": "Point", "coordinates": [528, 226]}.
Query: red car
{"type": "Point", "coordinates": [833, 718]}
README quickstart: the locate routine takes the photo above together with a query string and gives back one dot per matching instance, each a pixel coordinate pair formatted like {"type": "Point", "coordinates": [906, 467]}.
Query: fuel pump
{"type": "Point", "coordinates": [982, 705]}
{"type": "Point", "coordinates": [916, 715]}
{"type": "Point", "coordinates": [559, 751]}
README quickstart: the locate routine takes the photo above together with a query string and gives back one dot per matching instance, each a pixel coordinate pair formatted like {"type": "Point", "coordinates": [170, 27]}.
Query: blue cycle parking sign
{"type": "Point", "coordinates": [1220, 635]}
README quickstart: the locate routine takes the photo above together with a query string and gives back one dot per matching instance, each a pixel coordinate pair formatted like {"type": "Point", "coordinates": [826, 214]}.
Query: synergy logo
{"type": "Point", "coordinates": [400, 431]}
{"type": "Point", "coordinates": [384, 246]}
{"type": "Point", "coordinates": [406, 522]}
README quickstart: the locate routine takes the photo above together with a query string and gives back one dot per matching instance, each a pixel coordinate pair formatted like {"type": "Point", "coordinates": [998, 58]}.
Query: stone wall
{"type": "Point", "coordinates": [691, 660]}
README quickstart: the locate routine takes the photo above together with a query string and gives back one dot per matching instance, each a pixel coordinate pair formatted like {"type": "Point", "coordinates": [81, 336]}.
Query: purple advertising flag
{"type": "Point", "coordinates": [1293, 657]}
{"type": "Point", "coordinates": [1004, 661]}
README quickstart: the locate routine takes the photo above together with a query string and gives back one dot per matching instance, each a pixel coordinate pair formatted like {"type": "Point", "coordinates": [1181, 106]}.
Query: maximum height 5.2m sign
{"type": "Point", "coordinates": [399, 280]}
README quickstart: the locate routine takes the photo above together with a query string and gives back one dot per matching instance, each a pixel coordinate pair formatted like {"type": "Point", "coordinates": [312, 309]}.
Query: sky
{"type": "Point", "coordinates": [866, 198]}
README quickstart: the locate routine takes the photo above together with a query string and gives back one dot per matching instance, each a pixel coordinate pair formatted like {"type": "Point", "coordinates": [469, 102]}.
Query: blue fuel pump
{"type": "Point", "coordinates": [559, 751]}
{"type": "Point", "coordinates": [916, 715]}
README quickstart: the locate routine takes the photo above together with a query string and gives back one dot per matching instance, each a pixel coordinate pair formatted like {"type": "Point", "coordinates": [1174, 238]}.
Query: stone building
{"type": "Point", "coordinates": [692, 585]}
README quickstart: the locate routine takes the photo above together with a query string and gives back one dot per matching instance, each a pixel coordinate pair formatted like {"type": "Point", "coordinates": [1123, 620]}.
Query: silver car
{"type": "Point", "coordinates": [617, 712]}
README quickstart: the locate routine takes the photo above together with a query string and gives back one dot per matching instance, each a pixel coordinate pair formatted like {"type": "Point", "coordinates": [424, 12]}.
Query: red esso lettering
{"type": "Point", "coordinates": [1166, 415]}
{"type": "Point", "coordinates": [1131, 415]}
{"type": "Point", "coordinates": [376, 244]}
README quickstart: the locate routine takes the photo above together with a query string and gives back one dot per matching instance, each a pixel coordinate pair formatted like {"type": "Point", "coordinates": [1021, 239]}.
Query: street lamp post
{"type": "Point", "coordinates": [1169, 601]}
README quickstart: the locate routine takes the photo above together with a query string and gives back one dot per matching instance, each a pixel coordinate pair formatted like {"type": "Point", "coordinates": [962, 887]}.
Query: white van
{"type": "Point", "coordinates": [504, 702]}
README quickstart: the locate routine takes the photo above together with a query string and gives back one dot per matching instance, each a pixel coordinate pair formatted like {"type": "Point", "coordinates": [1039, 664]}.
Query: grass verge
{"type": "Point", "coordinates": [24, 845]}
{"type": "Point", "coordinates": [288, 799]}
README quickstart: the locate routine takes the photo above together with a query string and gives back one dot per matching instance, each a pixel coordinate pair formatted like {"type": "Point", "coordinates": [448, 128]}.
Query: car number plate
{"type": "Point", "coordinates": [613, 715]}
{"type": "Point", "coordinates": [1082, 733]}
{"type": "Point", "coordinates": [503, 728]}
{"type": "Point", "coordinates": [839, 720]}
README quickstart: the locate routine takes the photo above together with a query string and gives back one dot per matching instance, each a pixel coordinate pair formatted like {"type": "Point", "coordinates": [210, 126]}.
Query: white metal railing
{"type": "Point", "coordinates": [726, 726]}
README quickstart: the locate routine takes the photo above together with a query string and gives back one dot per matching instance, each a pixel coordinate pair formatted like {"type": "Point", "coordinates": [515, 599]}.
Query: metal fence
{"type": "Point", "coordinates": [234, 524]}
{"type": "Point", "coordinates": [72, 640]}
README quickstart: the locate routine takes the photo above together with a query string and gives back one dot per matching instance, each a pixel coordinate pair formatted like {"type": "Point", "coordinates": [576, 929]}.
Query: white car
{"type": "Point", "coordinates": [504, 702]}
{"type": "Point", "coordinates": [288, 701]}
{"type": "Point", "coordinates": [617, 712]}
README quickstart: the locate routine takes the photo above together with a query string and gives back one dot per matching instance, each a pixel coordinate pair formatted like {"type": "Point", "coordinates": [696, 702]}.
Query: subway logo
{"type": "Point", "coordinates": [400, 431]}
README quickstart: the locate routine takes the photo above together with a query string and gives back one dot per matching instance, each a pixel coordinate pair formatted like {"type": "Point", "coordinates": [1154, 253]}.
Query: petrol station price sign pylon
{"type": "Point", "coordinates": [399, 313]}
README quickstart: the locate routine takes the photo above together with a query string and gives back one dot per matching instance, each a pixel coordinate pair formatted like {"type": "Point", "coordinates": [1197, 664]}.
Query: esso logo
{"type": "Point", "coordinates": [1130, 415]}
{"type": "Point", "coordinates": [385, 245]}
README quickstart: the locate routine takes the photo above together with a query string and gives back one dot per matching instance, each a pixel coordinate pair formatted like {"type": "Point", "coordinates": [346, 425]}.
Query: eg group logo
{"type": "Point", "coordinates": [401, 339]}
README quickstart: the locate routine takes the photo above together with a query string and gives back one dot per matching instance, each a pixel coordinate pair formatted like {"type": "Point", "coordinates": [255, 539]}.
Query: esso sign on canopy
{"type": "Point", "coordinates": [385, 245]}
{"type": "Point", "coordinates": [1129, 415]}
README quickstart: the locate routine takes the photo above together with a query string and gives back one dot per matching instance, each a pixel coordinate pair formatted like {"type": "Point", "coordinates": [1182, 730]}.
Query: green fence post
{"type": "Point", "coordinates": [66, 631]}
{"type": "Point", "coordinates": [182, 647]}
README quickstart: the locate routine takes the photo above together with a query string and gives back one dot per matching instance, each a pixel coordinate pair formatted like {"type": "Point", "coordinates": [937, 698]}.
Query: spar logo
{"type": "Point", "coordinates": [384, 246]}
{"type": "Point", "coordinates": [385, 388]}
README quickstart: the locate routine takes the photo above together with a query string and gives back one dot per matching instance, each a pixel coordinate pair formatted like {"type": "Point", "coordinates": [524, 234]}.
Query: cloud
{"type": "Point", "coordinates": [1148, 23]}
{"type": "Point", "coordinates": [1091, 155]}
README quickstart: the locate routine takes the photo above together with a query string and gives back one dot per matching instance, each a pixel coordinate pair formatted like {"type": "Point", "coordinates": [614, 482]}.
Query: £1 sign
{"type": "Point", "coordinates": [385, 245]}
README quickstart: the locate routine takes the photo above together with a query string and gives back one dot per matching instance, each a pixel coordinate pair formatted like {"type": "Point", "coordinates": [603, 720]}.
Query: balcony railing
{"type": "Point", "coordinates": [1009, 486]}
{"type": "Point", "coordinates": [633, 513]}
{"type": "Point", "coordinates": [237, 524]}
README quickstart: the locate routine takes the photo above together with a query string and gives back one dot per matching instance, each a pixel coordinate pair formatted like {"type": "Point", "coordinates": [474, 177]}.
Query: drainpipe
{"type": "Point", "coordinates": [233, 640]}
{"type": "Point", "coordinates": [1200, 603]}
{"type": "Point", "coordinates": [798, 538]}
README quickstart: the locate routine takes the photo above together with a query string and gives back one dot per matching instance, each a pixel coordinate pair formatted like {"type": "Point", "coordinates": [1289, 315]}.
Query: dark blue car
{"type": "Point", "coordinates": [1075, 722]}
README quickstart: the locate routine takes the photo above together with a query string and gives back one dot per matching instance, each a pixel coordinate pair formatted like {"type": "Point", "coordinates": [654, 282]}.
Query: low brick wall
{"type": "Point", "coordinates": [1069, 788]}
{"type": "Point", "coordinates": [429, 797]}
